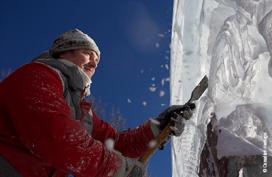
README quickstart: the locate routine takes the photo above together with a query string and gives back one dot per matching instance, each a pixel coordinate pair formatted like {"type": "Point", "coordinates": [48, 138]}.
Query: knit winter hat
{"type": "Point", "coordinates": [71, 40]}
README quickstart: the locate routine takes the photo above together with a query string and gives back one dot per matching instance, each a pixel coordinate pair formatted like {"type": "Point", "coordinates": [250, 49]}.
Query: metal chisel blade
{"type": "Point", "coordinates": [199, 89]}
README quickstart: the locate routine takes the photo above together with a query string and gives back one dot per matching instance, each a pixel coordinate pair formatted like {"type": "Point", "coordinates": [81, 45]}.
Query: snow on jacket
{"type": "Point", "coordinates": [40, 138]}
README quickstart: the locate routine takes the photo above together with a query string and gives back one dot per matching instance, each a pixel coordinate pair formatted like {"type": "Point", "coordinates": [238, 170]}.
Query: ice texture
{"type": "Point", "coordinates": [230, 41]}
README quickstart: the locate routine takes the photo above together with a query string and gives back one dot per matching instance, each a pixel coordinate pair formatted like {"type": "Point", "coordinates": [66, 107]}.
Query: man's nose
{"type": "Point", "coordinates": [92, 63]}
{"type": "Point", "coordinates": [93, 59]}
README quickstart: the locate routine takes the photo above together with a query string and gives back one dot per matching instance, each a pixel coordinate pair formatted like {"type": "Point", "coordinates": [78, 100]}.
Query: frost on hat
{"type": "Point", "coordinates": [71, 40]}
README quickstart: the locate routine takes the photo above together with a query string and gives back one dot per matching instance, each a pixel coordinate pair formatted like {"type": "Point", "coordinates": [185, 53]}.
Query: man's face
{"type": "Point", "coordinates": [87, 60]}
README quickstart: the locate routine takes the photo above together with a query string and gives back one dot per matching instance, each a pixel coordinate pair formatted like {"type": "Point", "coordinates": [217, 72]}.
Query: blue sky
{"type": "Point", "coordinates": [133, 36]}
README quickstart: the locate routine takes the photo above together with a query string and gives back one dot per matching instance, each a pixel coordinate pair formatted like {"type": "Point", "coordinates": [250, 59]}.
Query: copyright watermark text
{"type": "Point", "coordinates": [265, 137]}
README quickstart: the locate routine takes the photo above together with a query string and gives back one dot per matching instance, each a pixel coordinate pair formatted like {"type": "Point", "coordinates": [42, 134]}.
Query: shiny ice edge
{"type": "Point", "coordinates": [222, 39]}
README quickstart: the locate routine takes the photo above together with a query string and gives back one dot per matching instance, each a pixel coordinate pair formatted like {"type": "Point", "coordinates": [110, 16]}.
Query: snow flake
{"type": "Point", "coordinates": [154, 121]}
{"type": "Point", "coordinates": [152, 143]}
{"type": "Point", "coordinates": [111, 173]}
{"type": "Point", "coordinates": [161, 35]}
{"type": "Point", "coordinates": [157, 45]}
{"type": "Point", "coordinates": [144, 103]}
{"type": "Point", "coordinates": [162, 93]}
{"type": "Point", "coordinates": [162, 82]}
{"type": "Point", "coordinates": [166, 66]}
{"type": "Point", "coordinates": [152, 89]}
{"type": "Point", "coordinates": [109, 143]}
{"type": "Point", "coordinates": [129, 100]}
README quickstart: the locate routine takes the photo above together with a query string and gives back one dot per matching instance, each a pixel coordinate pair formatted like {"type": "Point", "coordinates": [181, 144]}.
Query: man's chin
{"type": "Point", "coordinates": [90, 74]}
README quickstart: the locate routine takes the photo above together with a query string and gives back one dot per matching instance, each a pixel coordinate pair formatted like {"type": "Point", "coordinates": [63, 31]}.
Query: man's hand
{"type": "Point", "coordinates": [175, 115]}
{"type": "Point", "coordinates": [130, 167]}
{"type": "Point", "coordinates": [135, 168]}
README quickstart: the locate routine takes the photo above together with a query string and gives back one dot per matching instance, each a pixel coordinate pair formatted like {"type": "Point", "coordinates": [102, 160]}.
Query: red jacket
{"type": "Point", "coordinates": [38, 136]}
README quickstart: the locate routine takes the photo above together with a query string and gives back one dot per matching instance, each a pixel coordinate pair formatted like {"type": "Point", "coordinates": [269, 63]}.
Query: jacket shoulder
{"type": "Point", "coordinates": [35, 67]}
{"type": "Point", "coordinates": [37, 70]}
{"type": "Point", "coordinates": [32, 74]}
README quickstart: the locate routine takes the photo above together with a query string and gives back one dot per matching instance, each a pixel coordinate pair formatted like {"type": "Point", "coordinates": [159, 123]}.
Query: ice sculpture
{"type": "Point", "coordinates": [236, 49]}
{"type": "Point", "coordinates": [231, 42]}
{"type": "Point", "coordinates": [266, 30]}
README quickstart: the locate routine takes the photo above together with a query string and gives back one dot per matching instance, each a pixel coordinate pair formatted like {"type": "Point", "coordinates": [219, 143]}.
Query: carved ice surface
{"type": "Point", "coordinates": [231, 42]}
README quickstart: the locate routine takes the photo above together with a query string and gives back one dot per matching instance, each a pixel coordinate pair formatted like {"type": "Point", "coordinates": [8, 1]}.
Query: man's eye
{"type": "Point", "coordinates": [86, 53]}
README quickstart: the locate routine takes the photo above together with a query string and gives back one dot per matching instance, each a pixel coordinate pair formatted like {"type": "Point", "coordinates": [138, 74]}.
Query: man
{"type": "Point", "coordinates": [48, 129]}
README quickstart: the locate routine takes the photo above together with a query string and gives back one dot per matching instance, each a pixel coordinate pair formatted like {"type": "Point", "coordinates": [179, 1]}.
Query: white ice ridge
{"type": "Point", "coordinates": [231, 42]}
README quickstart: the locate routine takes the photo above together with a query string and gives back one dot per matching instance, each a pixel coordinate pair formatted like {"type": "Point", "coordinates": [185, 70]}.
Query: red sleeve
{"type": "Point", "coordinates": [131, 143]}
{"type": "Point", "coordinates": [42, 120]}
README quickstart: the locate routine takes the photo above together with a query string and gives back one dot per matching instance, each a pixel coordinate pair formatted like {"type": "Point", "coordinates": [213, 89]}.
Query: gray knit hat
{"type": "Point", "coordinates": [71, 40]}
